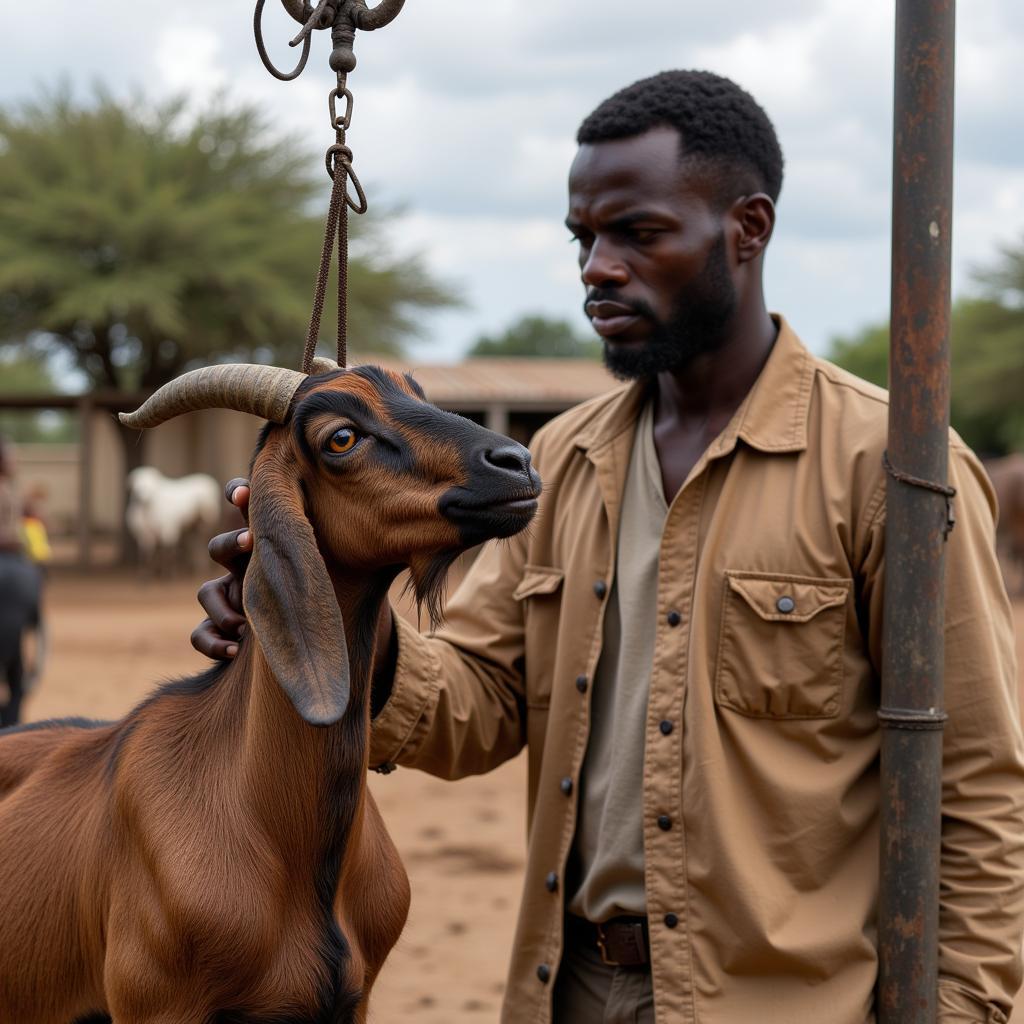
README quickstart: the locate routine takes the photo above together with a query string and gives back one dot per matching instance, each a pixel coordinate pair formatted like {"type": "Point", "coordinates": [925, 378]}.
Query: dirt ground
{"type": "Point", "coordinates": [112, 639]}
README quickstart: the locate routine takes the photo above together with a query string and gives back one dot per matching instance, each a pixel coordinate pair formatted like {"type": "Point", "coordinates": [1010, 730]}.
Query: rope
{"type": "Point", "coordinates": [343, 17]}
{"type": "Point", "coordinates": [336, 213]}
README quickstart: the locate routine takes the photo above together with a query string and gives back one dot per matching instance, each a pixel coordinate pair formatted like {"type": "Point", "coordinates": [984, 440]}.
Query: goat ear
{"type": "Point", "coordinates": [289, 599]}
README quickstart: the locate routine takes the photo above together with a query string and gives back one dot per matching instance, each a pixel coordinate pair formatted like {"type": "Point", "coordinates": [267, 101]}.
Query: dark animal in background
{"type": "Point", "coordinates": [215, 855]}
{"type": "Point", "coordinates": [20, 613]}
{"type": "Point", "coordinates": [1007, 476]}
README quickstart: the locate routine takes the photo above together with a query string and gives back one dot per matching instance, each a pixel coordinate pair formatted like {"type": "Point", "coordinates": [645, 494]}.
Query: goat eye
{"type": "Point", "coordinates": [342, 441]}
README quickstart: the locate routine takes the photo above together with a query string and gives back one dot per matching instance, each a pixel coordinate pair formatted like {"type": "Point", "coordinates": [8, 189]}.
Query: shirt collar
{"type": "Point", "coordinates": [772, 417]}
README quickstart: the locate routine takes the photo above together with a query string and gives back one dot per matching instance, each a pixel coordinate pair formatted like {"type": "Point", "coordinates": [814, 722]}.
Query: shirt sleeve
{"type": "Point", "coordinates": [457, 701]}
{"type": "Point", "coordinates": [981, 901]}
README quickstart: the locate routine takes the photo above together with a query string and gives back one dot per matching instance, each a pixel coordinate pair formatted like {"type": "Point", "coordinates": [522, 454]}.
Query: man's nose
{"type": "Point", "coordinates": [603, 266]}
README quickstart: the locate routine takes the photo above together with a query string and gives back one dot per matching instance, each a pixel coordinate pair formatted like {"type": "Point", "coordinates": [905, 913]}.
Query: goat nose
{"type": "Point", "coordinates": [512, 457]}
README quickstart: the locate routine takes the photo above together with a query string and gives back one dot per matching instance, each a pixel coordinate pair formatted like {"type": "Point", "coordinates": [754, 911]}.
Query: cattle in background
{"type": "Point", "coordinates": [1007, 476]}
{"type": "Point", "coordinates": [167, 517]}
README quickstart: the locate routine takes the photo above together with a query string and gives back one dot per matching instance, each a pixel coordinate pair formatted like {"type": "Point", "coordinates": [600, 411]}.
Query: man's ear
{"type": "Point", "coordinates": [754, 216]}
{"type": "Point", "coordinates": [288, 596]}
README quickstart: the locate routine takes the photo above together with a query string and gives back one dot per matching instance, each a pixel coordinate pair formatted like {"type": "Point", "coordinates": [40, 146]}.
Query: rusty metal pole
{"type": "Point", "coordinates": [919, 514]}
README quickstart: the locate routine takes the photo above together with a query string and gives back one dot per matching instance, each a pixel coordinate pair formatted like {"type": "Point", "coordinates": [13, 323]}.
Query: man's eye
{"type": "Point", "coordinates": [342, 441]}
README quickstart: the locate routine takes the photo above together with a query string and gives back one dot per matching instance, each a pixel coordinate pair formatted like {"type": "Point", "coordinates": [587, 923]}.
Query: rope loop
{"type": "Point", "coordinates": [339, 155]}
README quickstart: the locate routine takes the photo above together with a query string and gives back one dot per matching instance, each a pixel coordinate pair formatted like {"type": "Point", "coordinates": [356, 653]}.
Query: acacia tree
{"type": "Point", "coordinates": [143, 240]}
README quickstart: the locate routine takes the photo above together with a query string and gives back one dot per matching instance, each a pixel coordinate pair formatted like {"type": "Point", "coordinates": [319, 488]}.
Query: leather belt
{"type": "Point", "coordinates": [621, 941]}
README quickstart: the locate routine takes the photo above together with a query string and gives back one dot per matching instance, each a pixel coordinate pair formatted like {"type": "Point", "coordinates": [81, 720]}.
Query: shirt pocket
{"type": "Point", "coordinates": [540, 591]}
{"type": "Point", "coordinates": [780, 647]}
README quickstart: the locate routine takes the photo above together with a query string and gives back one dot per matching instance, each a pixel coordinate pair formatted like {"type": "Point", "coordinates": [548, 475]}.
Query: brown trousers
{"type": "Point", "coordinates": [588, 991]}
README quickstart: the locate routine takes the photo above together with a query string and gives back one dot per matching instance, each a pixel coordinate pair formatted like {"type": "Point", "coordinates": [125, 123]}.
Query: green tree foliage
{"type": "Point", "coordinates": [144, 241]}
{"type": "Point", "coordinates": [987, 393]}
{"type": "Point", "coordinates": [535, 335]}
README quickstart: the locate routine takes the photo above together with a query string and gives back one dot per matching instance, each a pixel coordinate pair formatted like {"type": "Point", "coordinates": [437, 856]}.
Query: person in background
{"type": "Point", "coordinates": [688, 638]}
{"type": "Point", "coordinates": [33, 528]}
{"type": "Point", "coordinates": [20, 594]}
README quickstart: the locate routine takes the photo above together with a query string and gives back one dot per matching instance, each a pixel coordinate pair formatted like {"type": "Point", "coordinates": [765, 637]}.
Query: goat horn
{"type": "Point", "coordinates": [321, 364]}
{"type": "Point", "coordinates": [264, 391]}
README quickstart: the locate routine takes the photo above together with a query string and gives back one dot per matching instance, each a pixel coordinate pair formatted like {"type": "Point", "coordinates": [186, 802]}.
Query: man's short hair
{"type": "Point", "coordinates": [720, 125]}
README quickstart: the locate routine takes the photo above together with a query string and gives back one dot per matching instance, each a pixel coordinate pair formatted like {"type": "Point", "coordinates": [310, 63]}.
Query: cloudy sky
{"type": "Point", "coordinates": [466, 111]}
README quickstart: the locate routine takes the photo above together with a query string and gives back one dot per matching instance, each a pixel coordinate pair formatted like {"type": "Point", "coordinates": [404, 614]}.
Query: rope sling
{"type": "Point", "coordinates": [342, 17]}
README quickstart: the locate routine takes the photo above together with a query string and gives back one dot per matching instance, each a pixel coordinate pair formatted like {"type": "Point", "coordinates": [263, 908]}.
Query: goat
{"type": "Point", "coordinates": [162, 510]}
{"type": "Point", "coordinates": [215, 856]}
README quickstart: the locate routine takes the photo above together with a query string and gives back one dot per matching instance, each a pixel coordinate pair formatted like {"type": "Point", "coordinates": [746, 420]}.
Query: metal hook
{"type": "Point", "coordinates": [257, 25]}
{"type": "Point", "coordinates": [384, 13]}
{"type": "Point", "coordinates": [322, 17]}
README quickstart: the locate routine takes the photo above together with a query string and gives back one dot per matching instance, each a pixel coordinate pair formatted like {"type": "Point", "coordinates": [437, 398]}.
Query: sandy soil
{"type": "Point", "coordinates": [112, 639]}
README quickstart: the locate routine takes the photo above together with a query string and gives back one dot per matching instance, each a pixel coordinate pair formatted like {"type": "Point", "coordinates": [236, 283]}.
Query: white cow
{"type": "Point", "coordinates": [161, 511]}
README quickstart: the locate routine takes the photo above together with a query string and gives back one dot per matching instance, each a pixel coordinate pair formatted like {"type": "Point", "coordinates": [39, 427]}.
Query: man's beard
{"type": "Point", "coordinates": [702, 311]}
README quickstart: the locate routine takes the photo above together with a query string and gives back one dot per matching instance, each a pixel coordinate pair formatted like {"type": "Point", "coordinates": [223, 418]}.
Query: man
{"type": "Point", "coordinates": [688, 639]}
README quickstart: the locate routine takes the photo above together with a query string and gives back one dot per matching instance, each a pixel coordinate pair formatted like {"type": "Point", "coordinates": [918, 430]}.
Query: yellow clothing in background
{"type": "Point", "coordinates": [37, 543]}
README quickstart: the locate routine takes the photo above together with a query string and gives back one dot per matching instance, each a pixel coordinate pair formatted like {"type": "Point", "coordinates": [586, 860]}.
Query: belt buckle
{"type": "Point", "coordinates": [601, 939]}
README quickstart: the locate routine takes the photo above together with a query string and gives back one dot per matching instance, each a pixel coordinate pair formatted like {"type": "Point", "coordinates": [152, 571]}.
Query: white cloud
{"type": "Point", "coordinates": [465, 112]}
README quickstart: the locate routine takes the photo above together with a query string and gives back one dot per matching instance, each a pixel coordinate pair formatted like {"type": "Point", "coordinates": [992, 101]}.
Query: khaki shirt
{"type": "Point", "coordinates": [762, 738]}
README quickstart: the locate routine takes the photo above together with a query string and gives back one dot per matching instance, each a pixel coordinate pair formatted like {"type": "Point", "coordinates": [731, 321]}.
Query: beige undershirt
{"type": "Point", "coordinates": [608, 852]}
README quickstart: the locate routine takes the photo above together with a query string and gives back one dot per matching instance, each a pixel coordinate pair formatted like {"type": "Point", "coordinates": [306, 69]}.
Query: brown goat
{"type": "Point", "coordinates": [215, 857]}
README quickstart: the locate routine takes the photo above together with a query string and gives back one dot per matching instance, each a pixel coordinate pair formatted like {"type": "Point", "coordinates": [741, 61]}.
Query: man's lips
{"type": "Point", "coordinates": [611, 318]}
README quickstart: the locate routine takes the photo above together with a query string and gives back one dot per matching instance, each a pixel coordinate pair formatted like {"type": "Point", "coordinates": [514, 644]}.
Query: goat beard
{"type": "Point", "coordinates": [428, 579]}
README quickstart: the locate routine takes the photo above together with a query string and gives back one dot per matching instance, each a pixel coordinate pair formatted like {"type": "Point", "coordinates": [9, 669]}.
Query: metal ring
{"type": "Point", "coordinates": [264, 56]}
{"type": "Point", "coordinates": [345, 122]}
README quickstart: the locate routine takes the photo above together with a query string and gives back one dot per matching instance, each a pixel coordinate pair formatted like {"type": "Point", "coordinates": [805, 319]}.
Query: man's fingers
{"type": "Point", "coordinates": [237, 493]}
{"type": "Point", "coordinates": [218, 599]}
{"type": "Point", "coordinates": [232, 550]}
{"type": "Point", "coordinates": [207, 640]}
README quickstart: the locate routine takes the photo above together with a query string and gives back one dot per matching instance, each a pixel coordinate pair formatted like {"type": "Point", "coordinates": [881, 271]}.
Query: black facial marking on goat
{"type": "Point", "coordinates": [390, 453]}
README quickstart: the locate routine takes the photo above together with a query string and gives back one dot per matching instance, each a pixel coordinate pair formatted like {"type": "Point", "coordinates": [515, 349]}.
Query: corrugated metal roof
{"type": "Point", "coordinates": [484, 380]}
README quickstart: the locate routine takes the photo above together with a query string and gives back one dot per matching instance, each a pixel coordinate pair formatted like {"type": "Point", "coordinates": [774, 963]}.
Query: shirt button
{"type": "Point", "coordinates": [566, 786]}
{"type": "Point", "coordinates": [600, 588]}
{"type": "Point", "coordinates": [785, 605]}
{"type": "Point", "coordinates": [673, 618]}
{"type": "Point", "coordinates": [671, 920]}
{"type": "Point", "coordinates": [581, 683]}
{"type": "Point", "coordinates": [664, 822]}
{"type": "Point", "coordinates": [551, 882]}
{"type": "Point", "coordinates": [544, 973]}
{"type": "Point", "coordinates": [666, 727]}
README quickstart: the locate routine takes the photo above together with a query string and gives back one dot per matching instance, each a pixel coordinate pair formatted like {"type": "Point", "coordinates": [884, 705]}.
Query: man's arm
{"type": "Point", "coordinates": [981, 911]}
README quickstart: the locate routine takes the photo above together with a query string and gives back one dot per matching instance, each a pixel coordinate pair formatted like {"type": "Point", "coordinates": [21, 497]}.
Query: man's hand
{"type": "Point", "coordinates": [217, 636]}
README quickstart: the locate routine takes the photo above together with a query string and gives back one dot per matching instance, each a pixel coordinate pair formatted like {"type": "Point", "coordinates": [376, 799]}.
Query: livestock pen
{"type": "Point", "coordinates": [85, 477]}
